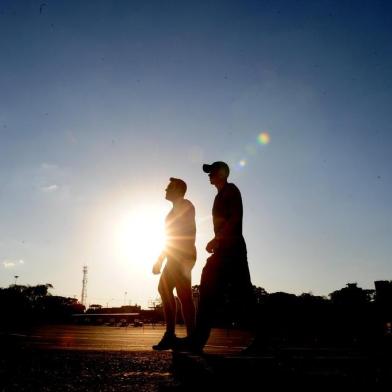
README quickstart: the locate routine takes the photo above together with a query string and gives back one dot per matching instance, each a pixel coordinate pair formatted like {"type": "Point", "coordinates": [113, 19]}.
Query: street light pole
{"type": "Point", "coordinates": [16, 278]}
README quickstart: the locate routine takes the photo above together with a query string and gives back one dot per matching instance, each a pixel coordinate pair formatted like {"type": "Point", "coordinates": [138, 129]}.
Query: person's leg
{"type": "Point", "coordinates": [240, 290]}
{"type": "Point", "coordinates": [246, 311]}
{"type": "Point", "coordinates": [184, 292]}
{"type": "Point", "coordinates": [165, 288]}
{"type": "Point", "coordinates": [211, 290]}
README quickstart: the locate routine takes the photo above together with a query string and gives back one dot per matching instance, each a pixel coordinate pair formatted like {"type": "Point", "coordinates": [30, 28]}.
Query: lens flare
{"type": "Point", "coordinates": [264, 138]}
{"type": "Point", "coordinates": [240, 165]}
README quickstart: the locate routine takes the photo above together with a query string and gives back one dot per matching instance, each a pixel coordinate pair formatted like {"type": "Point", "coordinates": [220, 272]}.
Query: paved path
{"type": "Point", "coordinates": [95, 358]}
{"type": "Point", "coordinates": [92, 370]}
{"type": "Point", "coordinates": [101, 358]}
{"type": "Point", "coordinates": [85, 337]}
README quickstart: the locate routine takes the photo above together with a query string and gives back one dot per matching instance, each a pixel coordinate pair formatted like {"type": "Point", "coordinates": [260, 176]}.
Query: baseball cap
{"type": "Point", "coordinates": [219, 165]}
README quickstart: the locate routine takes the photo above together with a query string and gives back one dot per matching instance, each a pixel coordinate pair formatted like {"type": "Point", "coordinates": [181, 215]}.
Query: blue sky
{"type": "Point", "coordinates": [102, 102]}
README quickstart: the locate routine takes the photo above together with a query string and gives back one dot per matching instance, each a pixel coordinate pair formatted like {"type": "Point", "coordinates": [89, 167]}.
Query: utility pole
{"type": "Point", "coordinates": [84, 287]}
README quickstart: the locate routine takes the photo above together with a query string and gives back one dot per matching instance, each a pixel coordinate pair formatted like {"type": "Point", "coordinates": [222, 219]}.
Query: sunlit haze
{"type": "Point", "coordinates": [140, 235]}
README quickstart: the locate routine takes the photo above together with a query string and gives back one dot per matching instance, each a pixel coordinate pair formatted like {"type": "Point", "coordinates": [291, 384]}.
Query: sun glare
{"type": "Point", "coordinates": [141, 235]}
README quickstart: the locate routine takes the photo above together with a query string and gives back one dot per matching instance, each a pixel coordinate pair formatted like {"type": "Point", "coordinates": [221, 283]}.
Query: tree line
{"type": "Point", "coordinates": [347, 315]}
{"type": "Point", "coordinates": [22, 305]}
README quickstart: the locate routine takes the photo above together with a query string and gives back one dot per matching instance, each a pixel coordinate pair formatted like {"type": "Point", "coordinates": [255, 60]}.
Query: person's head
{"type": "Point", "coordinates": [218, 172]}
{"type": "Point", "coordinates": [176, 189]}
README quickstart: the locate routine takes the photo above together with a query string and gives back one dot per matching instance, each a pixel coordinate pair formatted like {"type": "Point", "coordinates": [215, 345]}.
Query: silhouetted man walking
{"type": "Point", "coordinates": [226, 272]}
{"type": "Point", "coordinates": [180, 254]}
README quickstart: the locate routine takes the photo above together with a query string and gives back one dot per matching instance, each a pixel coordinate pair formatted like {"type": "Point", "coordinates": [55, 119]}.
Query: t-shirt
{"type": "Point", "coordinates": [227, 213]}
{"type": "Point", "coordinates": [181, 232]}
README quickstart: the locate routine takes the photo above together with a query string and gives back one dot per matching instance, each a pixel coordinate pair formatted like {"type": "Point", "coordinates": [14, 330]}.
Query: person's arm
{"type": "Point", "coordinates": [156, 268]}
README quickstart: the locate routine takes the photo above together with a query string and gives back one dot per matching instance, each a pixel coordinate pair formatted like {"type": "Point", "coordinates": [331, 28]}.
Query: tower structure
{"type": "Point", "coordinates": [84, 286]}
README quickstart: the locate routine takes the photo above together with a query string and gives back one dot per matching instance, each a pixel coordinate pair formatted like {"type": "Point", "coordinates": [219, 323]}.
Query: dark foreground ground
{"type": "Point", "coordinates": [96, 358]}
{"type": "Point", "coordinates": [74, 370]}
{"type": "Point", "coordinates": [84, 358]}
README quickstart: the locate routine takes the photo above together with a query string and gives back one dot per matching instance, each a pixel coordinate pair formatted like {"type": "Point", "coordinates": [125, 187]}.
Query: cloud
{"type": "Point", "coordinates": [53, 179]}
{"type": "Point", "coordinates": [7, 263]}
{"type": "Point", "coordinates": [48, 166]}
{"type": "Point", "coordinates": [50, 188]}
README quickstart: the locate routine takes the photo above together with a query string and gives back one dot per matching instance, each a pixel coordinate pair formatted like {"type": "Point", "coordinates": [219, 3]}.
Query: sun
{"type": "Point", "coordinates": [141, 235]}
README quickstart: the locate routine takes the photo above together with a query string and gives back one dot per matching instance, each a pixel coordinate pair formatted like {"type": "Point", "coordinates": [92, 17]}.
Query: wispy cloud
{"type": "Point", "coordinates": [50, 188]}
{"type": "Point", "coordinates": [48, 166]}
{"type": "Point", "coordinates": [12, 263]}
{"type": "Point", "coordinates": [53, 179]}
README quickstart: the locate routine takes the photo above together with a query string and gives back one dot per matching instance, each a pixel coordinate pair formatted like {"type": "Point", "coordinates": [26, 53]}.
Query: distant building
{"type": "Point", "coordinates": [98, 315]}
{"type": "Point", "coordinates": [122, 309]}
{"type": "Point", "coordinates": [94, 307]}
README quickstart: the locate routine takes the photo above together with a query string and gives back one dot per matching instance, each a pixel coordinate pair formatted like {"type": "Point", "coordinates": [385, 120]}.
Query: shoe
{"type": "Point", "coordinates": [188, 345]}
{"type": "Point", "coordinates": [167, 342]}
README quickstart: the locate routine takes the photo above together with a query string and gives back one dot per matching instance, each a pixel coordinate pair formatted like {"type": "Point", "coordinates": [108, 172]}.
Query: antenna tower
{"type": "Point", "coordinates": [84, 287]}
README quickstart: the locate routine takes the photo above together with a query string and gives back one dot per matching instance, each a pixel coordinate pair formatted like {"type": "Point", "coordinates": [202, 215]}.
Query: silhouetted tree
{"type": "Point", "coordinates": [310, 299]}
{"type": "Point", "coordinates": [351, 295]}
{"type": "Point", "coordinates": [260, 294]}
{"type": "Point", "coordinates": [23, 305]}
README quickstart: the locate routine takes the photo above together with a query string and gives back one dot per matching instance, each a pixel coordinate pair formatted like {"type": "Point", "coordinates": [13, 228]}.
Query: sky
{"type": "Point", "coordinates": [102, 102]}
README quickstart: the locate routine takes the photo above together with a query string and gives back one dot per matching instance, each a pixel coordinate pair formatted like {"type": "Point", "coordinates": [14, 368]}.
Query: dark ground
{"type": "Point", "coordinates": [95, 358]}
{"type": "Point", "coordinates": [88, 358]}
{"type": "Point", "coordinates": [74, 370]}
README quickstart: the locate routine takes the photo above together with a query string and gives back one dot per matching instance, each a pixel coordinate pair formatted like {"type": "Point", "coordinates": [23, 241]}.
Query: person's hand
{"type": "Point", "coordinates": [212, 246]}
{"type": "Point", "coordinates": [156, 268]}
